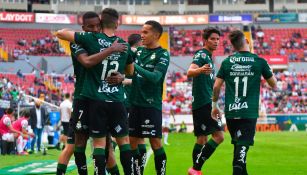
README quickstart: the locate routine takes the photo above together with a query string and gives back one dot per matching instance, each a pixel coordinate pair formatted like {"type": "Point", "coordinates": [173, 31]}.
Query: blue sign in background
{"type": "Point", "coordinates": [248, 18]}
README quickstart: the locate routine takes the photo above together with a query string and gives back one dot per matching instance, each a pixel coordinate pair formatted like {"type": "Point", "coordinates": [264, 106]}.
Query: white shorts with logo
{"type": "Point", "coordinates": [166, 122]}
{"type": "Point", "coordinates": [9, 137]}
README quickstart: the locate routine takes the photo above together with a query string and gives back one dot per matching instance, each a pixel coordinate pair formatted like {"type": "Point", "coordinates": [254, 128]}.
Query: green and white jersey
{"type": "Point", "coordinates": [79, 70]}
{"type": "Point", "coordinates": [145, 93]}
{"type": "Point", "coordinates": [202, 84]}
{"type": "Point", "coordinates": [242, 73]}
{"type": "Point", "coordinates": [95, 87]}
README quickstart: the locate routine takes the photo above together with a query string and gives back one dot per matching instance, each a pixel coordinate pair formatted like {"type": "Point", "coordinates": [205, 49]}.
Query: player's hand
{"type": "Point", "coordinates": [206, 69]}
{"type": "Point", "coordinates": [216, 114]}
{"type": "Point", "coordinates": [115, 78]}
{"type": "Point", "coordinates": [118, 47]}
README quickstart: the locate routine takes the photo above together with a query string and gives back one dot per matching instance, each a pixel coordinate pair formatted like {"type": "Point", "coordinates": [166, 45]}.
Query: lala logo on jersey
{"type": "Point", "coordinates": [238, 105]}
{"type": "Point", "coordinates": [105, 88]}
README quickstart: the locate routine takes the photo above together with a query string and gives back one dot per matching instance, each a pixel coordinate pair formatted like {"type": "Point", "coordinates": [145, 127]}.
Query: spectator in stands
{"type": "Point", "coordinates": [1, 41]}
{"type": "Point", "coordinates": [38, 118]}
{"type": "Point", "coordinates": [19, 74]}
{"type": "Point", "coordinates": [284, 9]}
{"type": "Point", "coordinates": [260, 35]}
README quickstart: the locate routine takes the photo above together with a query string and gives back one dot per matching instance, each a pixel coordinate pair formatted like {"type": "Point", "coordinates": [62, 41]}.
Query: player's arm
{"type": "Point", "coordinates": [129, 69]}
{"type": "Point", "coordinates": [194, 70]}
{"type": "Point", "coordinates": [14, 130]}
{"type": "Point", "coordinates": [66, 34]}
{"type": "Point", "coordinates": [158, 72]}
{"type": "Point", "coordinates": [215, 113]}
{"type": "Point", "coordinates": [272, 82]}
{"type": "Point", "coordinates": [92, 60]}
{"type": "Point", "coordinates": [127, 81]}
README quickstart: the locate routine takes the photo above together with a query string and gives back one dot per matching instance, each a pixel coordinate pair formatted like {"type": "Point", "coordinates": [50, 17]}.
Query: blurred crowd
{"type": "Point", "coordinates": [290, 97]}
{"type": "Point", "coordinates": [42, 46]}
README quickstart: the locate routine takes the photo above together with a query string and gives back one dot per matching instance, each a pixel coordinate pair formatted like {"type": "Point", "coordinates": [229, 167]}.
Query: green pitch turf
{"type": "Point", "coordinates": [279, 153]}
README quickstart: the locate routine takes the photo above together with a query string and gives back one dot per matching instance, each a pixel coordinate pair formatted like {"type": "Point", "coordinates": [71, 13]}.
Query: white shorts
{"type": "Point", "coordinates": [166, 122]}
{"type": "Point", "coordinates": [9, 137]}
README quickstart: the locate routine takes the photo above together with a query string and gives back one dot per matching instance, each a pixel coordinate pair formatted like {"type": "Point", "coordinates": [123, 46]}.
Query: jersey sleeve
{"type": "Point", "coordinates": [266, 70]}
{"type": "Point", "coordinates": [7, 121]}
{"type": "Point", "coordinates": [199, 59]}
{"type": "Point", "coordinates": [221, 73]}
{"type": "Point", "coordinates": [131, 56]}
{"type": "Point", "coordinates": [82, 38]}
{"type": "Point", "coordinates": [163, 62]}
{"type": "Point", "coordinates": [76, 50]}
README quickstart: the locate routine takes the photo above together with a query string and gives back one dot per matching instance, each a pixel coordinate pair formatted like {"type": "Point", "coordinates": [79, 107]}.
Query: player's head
{"type": "Point", "coordinates": [170, 98]}
{"type": "Point", "coordinates": [67, 96]}
{"type": "Point", "coordinates": [211, 38]}
{"type": "Point", "coordinates": [9, 111]}
{"type": "Point", "coordinates": [109, 18]}
{"type": "Point", "coordinates": [134, 40]}
{"type": "Point", "coordinates": [151, 32]}
{"type": "Point", "coordinates": [238, 40]}
{"type": "Point", "coordinates": [25, 113]}
{"type": "Point", "coordinates": [91, 22]}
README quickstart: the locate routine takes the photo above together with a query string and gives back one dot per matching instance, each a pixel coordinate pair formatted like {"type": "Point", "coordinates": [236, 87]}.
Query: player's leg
{"type": "Point", "coordinates": [98, 131]}
{"type": "Point", "coordinates": [67, 152]}
{"type": "Point", "coordinates": [142, 154]}
{"type": "Point", "coordinates": [165, 129]}
{"type": "Point", "coordinates": [135, 137]}
{"type": "Point", "coordinates": [201, 138]}
{"type": "Point", "coordinates": [111, 165]}
{"type": "Point", "coordinates": [79, 123]}
{"type": "Point", "coordinates": [208, 126]}
{"type": "Point", "coordinates": [153, 130]}
{"type": "Point", "coordinates": [245, 132]}
{"type": "Point", "coordinates": [118, 125]}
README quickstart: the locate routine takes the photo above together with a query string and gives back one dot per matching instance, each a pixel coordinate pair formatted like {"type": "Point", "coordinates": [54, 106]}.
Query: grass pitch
{"type": "Point", "coordinates": [278, 153]}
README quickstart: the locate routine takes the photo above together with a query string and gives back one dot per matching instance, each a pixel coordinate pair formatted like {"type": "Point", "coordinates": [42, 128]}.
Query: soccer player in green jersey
{"type": "Point", "coordinates": [135, 41]}
{"type": "Point", "coordinates": [80, 59]}
{"type": "Point", "coordinates": [202, 71]}
{"type": "Point", "coordinates": [106, 109]}
{"type": "Point", "coordinates": [242, 73]}
{"type": "Point", "coordinates": [145, 119]}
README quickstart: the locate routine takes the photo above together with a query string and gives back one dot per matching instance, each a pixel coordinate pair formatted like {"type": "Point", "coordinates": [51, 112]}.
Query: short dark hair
{"type": "Point", "coordinates": [236, 38]}
{"type": "Point", "coordinates": [133, 39]}
{"type": "Point", "coordinates": [208, 31]}
{"type": "Point", "coordinates": [9, 111]}
{"type": "Point", "coordinates": [111, 12]}
{"type": "Point", "coordinates": [156, 26]}
{"type": "Point", "coordinates": [89, 15]}
{"type": "Point", "coordinates": [25, 113]}
{"type": "Point", "coordinates": [108, 21]}
{"type": "Point", "coordinates": [109, 18]}
{"type": "Point", "coordinates": [67, 95]}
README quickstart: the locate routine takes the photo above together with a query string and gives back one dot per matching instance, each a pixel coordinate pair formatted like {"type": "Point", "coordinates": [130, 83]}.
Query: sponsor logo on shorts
{"type": "Point", "coordinates": [118, 128]}
{"type": "Point", "coordinates": [203, 127]}
{"type": "Point", "coordinates": [95, 132]}
{"type": "Point", "coordinates": [153, 132]}
{"type": "Point", "coordinates": [239, 134]}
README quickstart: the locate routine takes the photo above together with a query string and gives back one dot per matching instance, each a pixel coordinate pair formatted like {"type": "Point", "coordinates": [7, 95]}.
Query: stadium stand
{"type": "Point", "coordinates": [292, 91]}
{"type": "Point", "coordinates": [291, 42]}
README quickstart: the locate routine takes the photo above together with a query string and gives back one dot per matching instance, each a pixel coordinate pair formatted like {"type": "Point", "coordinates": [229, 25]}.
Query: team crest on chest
{"type": "Point", "coordinates": [153, 56]}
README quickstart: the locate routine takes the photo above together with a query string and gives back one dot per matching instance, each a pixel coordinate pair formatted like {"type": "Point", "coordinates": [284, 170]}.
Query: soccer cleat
{"type": "Point", "coordinates": [166, 143]}
{"type": "Point", "coordinates": [191, 171]}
